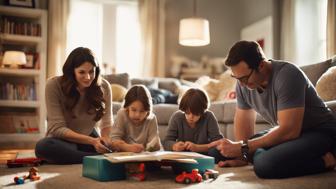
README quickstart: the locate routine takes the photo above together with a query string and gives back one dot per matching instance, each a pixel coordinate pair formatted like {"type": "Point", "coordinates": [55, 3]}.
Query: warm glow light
{"type": "Point", "coordinates": [14, 58]}
{"type": "Point", "coordinates": [194, 32]}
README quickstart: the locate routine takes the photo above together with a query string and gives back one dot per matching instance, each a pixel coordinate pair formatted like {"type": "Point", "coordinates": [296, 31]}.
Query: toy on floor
{"type": "Point", "coordinates": [210, 174]}
{"type": "Point", "coordinates": [24, 162]}
{"type": "Point", "coordinates": [33, 176]}
{"type": "Point", "coordinates": [188, 178]}
{"type": "Point", "coordinates": [19, 180]}
{"type": "Point", "coordinates": [136, 171]}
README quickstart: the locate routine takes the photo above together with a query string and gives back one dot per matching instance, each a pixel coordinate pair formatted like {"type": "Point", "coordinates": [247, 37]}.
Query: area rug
{"type": "Point", "coordinates": [70, 176]}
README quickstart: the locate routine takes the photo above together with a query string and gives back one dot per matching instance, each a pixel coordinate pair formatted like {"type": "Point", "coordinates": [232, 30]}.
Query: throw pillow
{"type": "Point", "coordinates": [325, 86]}
{"type": "Point", "coordinates": [121, 79]}
{"type": "Point", "coordinates": [227, 86]}
{"type": "Point", "coordinates": [218, 90]}
{"type": "Point", "coordinates": [118, 92]}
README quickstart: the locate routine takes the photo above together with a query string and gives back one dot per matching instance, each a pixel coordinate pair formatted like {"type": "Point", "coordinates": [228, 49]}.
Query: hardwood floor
{"type": "Point", "coordinates": [7, 154]}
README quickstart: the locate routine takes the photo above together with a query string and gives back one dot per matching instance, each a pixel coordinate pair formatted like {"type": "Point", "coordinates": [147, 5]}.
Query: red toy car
{"type": "Point", "coordinates": [188, 178]}
{"type": "Point", "coordinates": [136, 171]}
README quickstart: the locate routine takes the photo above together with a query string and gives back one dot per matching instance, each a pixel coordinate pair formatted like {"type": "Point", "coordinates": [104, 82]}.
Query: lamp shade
{"type": "Point", "coordinates": [194, 32]}
{"type": "Point", "coordinates": [14, 58]}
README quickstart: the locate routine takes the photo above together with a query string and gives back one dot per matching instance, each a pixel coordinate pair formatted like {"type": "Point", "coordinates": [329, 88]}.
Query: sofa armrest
{"type": "Point", "coordinates": [230, 110]}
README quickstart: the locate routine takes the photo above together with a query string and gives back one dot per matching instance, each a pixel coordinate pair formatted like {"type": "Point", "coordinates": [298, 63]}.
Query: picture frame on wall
{"type": "Point", "coordinates": [21, 3]}
{"type": "Point", "coordinates": [261, 32]}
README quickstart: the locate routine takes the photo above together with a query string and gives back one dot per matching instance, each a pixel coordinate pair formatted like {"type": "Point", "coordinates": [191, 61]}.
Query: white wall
{"type": "Point", "coordinates": [226, 18]}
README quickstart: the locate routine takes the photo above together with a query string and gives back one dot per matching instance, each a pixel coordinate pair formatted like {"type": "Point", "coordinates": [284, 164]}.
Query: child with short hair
{"type": "Point", "coordinates": [135, 128]}
{"type": "Point", "coordinates": [193, 127]}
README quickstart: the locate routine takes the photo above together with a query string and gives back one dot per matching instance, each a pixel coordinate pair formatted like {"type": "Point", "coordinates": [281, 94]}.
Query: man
{"type": "Point", "coordinates": [304, 132]}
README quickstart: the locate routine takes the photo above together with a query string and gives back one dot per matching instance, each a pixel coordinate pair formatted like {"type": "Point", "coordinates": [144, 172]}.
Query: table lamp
{"type": "Point", "coordinates": [14, 58]}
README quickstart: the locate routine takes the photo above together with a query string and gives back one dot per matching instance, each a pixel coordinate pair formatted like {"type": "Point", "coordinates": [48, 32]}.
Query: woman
{"type": "Point", "coordinates": [77, 102]}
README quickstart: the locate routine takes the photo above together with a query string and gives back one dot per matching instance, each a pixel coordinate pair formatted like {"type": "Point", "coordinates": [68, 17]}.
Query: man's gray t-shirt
{"type": "Point", "coordinates": [288, 88]}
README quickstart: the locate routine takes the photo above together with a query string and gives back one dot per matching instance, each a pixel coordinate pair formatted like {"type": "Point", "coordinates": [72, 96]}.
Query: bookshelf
{"type": "Point", "coordinates": [22, 102]}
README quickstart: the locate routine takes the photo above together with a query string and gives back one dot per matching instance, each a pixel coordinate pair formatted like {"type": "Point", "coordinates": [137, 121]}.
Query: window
{"type": "Point", "coordinates": [310, 30]}
{"type": "Point", "coordinates": [85, 27]}
{"type": "Point", "coordinates": [128, 41]}
{"type": "Point", "coordinates": [111, 30]}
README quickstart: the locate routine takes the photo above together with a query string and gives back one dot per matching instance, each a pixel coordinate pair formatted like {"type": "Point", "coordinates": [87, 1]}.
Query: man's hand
{"type": "Point", "coordinates": [214, 143]}
{"type": "Point", "coordinates": [229, 148]}
{"type": "Point", "coordinates": [179, 146]}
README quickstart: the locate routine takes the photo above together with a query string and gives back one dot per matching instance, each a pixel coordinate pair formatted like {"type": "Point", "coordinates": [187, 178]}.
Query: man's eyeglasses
{"type": "Point", "coordinates": [243, 79]}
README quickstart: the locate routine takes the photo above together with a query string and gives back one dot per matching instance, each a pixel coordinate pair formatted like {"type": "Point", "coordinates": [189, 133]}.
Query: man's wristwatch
{"type": "Point", "coordinates": [245, 150]}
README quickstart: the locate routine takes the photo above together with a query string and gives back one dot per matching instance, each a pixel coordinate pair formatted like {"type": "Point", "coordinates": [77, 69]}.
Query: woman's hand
{"type": "Point", "coordinates": [97, 144]}
{"type": "Point", "coordinates": [179, 146]}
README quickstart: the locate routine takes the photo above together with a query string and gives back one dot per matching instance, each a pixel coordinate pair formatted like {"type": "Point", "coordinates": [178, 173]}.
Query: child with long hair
{"type": "Point", "coordinates": [135, 128]}
{"type": "Point", "coordinates": [193, 127]}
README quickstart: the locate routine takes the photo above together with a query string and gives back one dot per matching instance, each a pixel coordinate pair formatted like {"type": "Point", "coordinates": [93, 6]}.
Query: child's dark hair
{"type": "Point", "coordinates": [141, 93]}
{"type": "Point", "coordinates": [194, 100]}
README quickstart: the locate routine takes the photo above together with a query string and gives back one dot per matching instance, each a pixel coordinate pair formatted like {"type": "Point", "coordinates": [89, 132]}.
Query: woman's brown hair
{"type": "Point", "coordinates": [141, 93]}
{"type": "Point", "coordinates": [94, 93]}
{"type": "Point", "coordinates": [194, 100]}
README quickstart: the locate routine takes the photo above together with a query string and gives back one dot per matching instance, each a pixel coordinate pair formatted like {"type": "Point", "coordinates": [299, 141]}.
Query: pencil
{"type": "Point", "coordinates": [130, 138]}
{"type": "Point", "coordinates": [106, 147]}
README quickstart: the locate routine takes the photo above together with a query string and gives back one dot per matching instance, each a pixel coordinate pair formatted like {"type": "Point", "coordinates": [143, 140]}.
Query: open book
{"type": "Point", "coordinates": [185, 157]}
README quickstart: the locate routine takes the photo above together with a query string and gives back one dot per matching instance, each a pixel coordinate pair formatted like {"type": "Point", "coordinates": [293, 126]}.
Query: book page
{"type": "Point", "coordinates": [152, 156]}
{"type": "Point", "coordinates": [25, 154]}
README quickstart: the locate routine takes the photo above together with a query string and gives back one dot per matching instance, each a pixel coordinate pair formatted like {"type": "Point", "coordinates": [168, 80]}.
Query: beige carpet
{"type": "Point", "coordinates": [70, 176]}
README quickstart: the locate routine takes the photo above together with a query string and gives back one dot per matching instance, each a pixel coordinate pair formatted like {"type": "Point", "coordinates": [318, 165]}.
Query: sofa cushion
{"type": "Point", "coordinates": [314, 71]}
{"type": "Point", "coordinates": [121, 79]}
{"type": "Point", "coordinates": [163, 112]}
{"type": "Point", "coordinates": [325, 86]}
{"type": "Point", "coordinates": [148, 82]}
{"type": "Point", "coordinates": [229, 112]}
{"type": "Point", "coordinates": [218, 109]}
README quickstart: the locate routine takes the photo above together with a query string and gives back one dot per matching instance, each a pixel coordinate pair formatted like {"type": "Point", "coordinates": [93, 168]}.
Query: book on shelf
{"type": "Point", "coordinates": [18, 123]}
{"type": "Point", "coordinates": [19, 26]}
{"type": "Point", "coordinates": [122, 157]}
{"type": "Point", "coordinates": [18, 91]}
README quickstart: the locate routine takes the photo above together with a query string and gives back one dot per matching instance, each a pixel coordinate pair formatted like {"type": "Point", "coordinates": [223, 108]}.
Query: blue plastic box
{"type": "Point", "coordinates": [98, 168]}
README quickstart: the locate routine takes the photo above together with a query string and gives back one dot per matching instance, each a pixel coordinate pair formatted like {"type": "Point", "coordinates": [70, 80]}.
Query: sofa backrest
{"type": "Point", "coordinates": [314, 71]}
